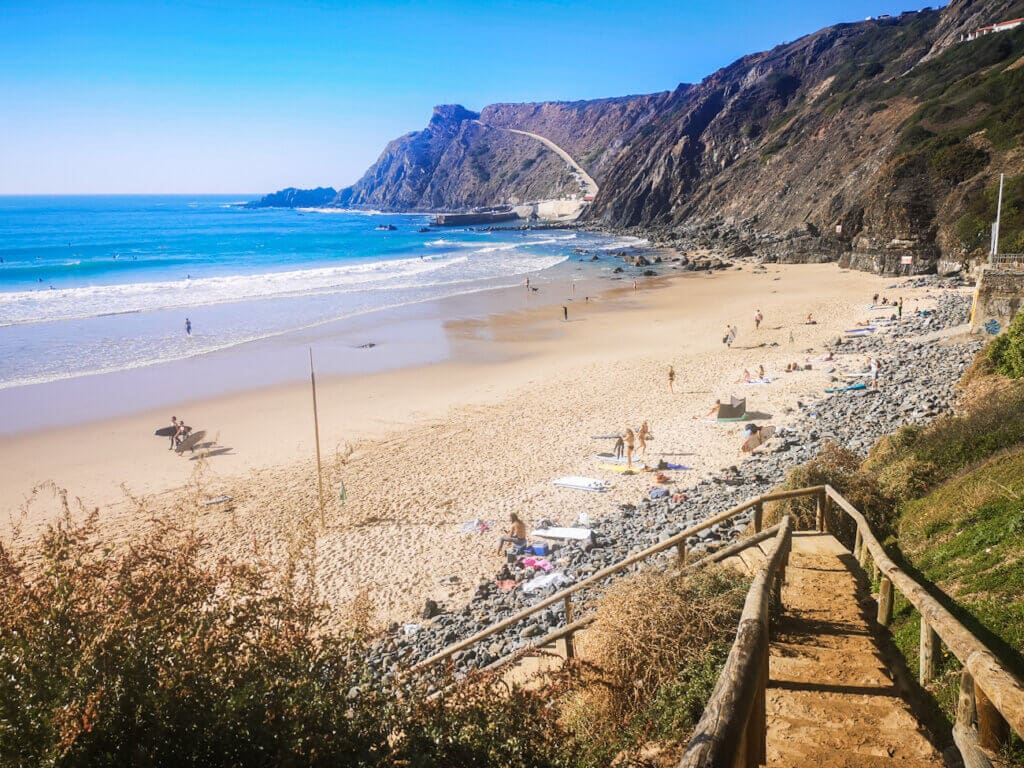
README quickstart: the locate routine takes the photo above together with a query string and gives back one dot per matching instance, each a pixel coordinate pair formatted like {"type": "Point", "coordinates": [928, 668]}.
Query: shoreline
{"type": "Point", "coordinates": [477, 436]}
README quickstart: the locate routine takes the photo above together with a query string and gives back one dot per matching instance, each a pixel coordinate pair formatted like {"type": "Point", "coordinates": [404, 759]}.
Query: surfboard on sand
{"type": "Point", "coordinates": [757, 439]}
{"type": "Point", "coordinates": [577, 534]}
{"type": "Point", "coordinates": [189, 443]}
{"type": "Point", "coordinates": [215, 500]}
{"type": "Point", "coordinates": [582, 483]}
{"type": "Point", "coordinates": [851, 388]}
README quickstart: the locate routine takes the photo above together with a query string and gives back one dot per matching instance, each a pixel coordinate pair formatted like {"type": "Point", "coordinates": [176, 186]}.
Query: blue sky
{"type": "Point", "coordinates": [200, 96]}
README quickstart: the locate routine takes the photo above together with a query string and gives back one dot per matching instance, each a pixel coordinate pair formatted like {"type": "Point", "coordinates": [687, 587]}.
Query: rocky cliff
{"type": "Point", "coordinates": [876, 143]}
{"type": "Point", "coordinates": [864, 142]}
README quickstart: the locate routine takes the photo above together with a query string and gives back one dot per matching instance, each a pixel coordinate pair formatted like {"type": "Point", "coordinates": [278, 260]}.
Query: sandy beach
{"type": "Point", "coordinates": [422, 450]}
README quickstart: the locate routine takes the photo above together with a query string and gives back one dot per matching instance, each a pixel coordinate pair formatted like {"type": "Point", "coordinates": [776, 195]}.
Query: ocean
{"type": "Point", "coordinates": [99, 284]}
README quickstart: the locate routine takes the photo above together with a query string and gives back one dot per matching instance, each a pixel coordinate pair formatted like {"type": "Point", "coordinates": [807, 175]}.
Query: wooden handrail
{"type": "Point", "coordinates": [570, 629]}
{"type": "Point", "coordinates": [997, 693]}
{"type": "Point", "coordinates": [678, 539]}
{"type": "Point", "coordinates": [731, 731]}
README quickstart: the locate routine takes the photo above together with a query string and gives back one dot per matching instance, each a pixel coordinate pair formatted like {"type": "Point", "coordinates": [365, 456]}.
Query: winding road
{"type": "Point", "coordinates": [588, 180]}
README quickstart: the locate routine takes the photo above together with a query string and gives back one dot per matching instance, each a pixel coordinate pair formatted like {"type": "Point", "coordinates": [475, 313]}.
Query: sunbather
{"type": "Point", "coordinates": [516, 534]}
{"type": "Point", "coordinates": [714, 410]}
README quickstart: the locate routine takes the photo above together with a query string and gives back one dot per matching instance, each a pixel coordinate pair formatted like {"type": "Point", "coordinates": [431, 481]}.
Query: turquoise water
{"type": "Point", "coordinates": [97, 284]}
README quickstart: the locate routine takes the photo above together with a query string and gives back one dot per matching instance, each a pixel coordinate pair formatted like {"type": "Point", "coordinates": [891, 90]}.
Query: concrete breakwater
{"type": "Point", "coordinates": [920, 371]}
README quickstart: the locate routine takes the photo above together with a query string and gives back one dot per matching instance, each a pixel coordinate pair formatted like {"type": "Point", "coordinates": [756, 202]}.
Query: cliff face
{"type": "Point", "coordinates": [455, 163]}
{"type": "Point", "coordinates": [863, 141]}
{"type": "Point", "coordinates": [463, 159]}
{"type": "Point", "coordinates": [869, 143]}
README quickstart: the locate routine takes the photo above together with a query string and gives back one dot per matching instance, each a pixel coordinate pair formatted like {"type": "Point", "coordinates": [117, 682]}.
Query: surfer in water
{"type": "Point", "coordinates": [188, 327]}
{"type": "Point", "coordinates": [565, 313]}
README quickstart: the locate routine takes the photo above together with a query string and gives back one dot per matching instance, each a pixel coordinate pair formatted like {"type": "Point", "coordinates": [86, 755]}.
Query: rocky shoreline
{"type": "Point", "coordinates": [916, 386]}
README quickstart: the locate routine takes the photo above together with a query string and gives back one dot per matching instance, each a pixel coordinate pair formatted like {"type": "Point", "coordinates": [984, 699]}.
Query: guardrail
{"type": "Point", "coordinates": [1006, 259]}
{"type": "Point", "coordinates": [733, 732]}
{"type": "Point", "coordinates": [565, 596]}
{"type": "Point", "coordinates": [991, 696]}
{"type": "Point", "coordinates": [733, 728]}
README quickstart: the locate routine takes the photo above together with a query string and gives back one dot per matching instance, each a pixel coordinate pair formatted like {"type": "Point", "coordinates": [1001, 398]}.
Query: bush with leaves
{"type": "Point", "coordinates": [1007, 350]}
{"type": "Point", "coordinates": [143, 655]}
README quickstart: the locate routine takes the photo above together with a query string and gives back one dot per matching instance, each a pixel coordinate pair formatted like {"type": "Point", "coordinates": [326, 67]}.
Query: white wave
{"type": "Point", "coordinates": [38, 306]}
{"type": "Point", "coordinates": [624, 243]}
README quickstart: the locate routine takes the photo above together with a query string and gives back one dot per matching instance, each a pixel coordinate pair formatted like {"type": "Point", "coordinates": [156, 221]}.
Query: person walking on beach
{"type": "Point", "coordinates": [630, 440]}
{"type": "Point", "coordinates": [899, 308]}
{"type": "Point", "coordinates": [671, 380]}
{"type": "Point", "coordinates": [174, 432]}
{"type": "Point", "coordinates": [188, 327]}
{"type": "Point", "coordinates": [620, 447]}
{"type": "Point", "coordinates": [565, 313]}
{"type": "Point", "coordinates": [642, 435]}
{"type": "Point", "coordinates": [758, 317]}
{"type": "Point", "coordinates": [516, 534]}
{"type": "Point", "coordinates": [874, 366]}
{"type": "Point", "coordinates": [730, 335]}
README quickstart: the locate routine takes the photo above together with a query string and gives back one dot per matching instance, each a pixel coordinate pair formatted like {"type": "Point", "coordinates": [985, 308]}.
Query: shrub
{"type": "Point", "coordinates": [958, 162]}
{"type": "Point", "coordinates": [654, 653]}
{"type": "Point", "coordinates": [840, 468]}
{"type": "Point", "coordinates": [146, 656]}
{"type": "Point", "coordinates": [1006, 352]}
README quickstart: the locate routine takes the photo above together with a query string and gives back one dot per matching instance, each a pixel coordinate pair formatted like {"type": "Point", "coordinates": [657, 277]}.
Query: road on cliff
{"type": "Point", "coordinates": [588, 180]}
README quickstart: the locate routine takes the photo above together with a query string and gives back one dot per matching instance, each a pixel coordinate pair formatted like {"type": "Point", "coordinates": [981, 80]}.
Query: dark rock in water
{"type": "Point", "coordinates": [424, 229]}
{"type": "Point", "coordinates": [649, 273]}
{"type": "Point", "coordinates": [385, 228]}
{"type": "Point", "coordinates": [617, 271]}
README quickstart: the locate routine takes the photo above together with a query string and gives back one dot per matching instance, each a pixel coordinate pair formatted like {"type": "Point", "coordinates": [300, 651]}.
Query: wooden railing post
{"type": "Point", "coordinates": [885, 602]}
{"type": "Point", "coordinates": [756, 740]}
{"type": "Point", "coordinates": [681, 553]}
{"type": "Point", "coordinates": [819, 512]}
{"type": "Point", "coordinates": [929, 649]}
{"type": "Point", "coordinates": [570, 641]}
{"type": "Point", "coordinates": [758, 516]}
{"type": "Point", "coordinates": [865, 553]}
{"type": "Point", "coordinates": [993, 730]}
{"type": "Point", "coordinates": [858, 542]}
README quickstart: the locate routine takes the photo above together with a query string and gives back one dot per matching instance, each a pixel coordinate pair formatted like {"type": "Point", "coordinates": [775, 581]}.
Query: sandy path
{"type": "Point", "coordinates": [831, 701]}
{"type": "Point", "coordinates": [478, 437]}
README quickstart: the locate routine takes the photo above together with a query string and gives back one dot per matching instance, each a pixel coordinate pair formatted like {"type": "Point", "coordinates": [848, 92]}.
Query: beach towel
{"type": "Point", "coordinates": [852, 387]}
{"type": "Point", "coordinates": [765, 380]}
{"type": "Point", "coordinates": [476, 526]}
{"type": "Point", "coordinates": [865, 329]}
{"type": "Point", "coordinates": [537, 563]}
{"type": "Point", "coordinates": [623, 469]}
{"type": "Point", "coordinates": [677, 466]}
{"type": "Point", "coordinates": [537, 583]}
{"type": "Point", "coordinates": [578, 534]}
{"type": "Point", "coordinates": [582, 483]}
{"type": "Point", "coordinates": [507, 585]}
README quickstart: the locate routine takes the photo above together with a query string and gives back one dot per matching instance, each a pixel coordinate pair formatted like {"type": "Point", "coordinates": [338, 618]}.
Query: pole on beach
{"type": "Point", "coordinates": [316, 432]}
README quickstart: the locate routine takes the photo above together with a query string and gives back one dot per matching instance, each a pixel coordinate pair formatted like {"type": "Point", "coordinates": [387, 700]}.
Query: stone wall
{"type": "Point", "coordinates": [996, 300]}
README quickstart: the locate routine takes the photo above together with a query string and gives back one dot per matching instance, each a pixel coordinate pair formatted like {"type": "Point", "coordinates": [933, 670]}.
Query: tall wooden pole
{"type": "Point", "coordinates": [316, 432]}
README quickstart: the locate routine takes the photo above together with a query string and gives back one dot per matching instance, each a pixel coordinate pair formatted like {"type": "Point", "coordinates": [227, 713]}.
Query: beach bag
{"type": "Point", "coordinates": [658, 493]}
